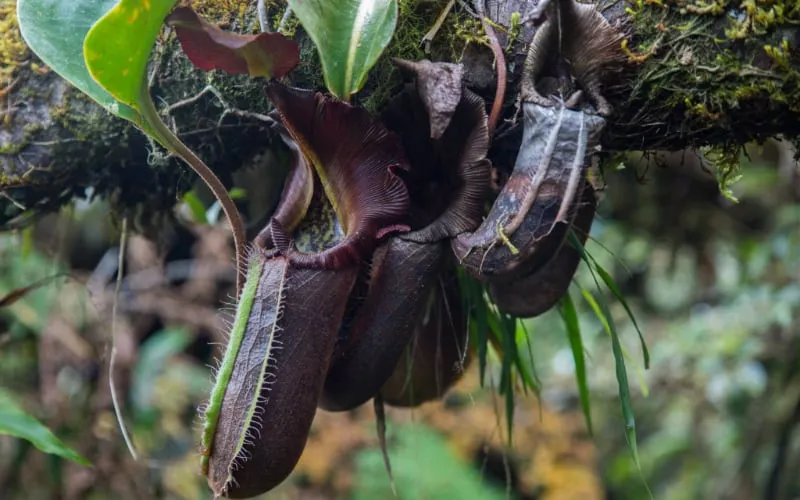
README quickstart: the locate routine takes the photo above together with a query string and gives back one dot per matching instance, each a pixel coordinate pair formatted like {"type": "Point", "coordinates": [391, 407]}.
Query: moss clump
{"type": "Point", "coordinates": [13, 51]}
{"type": "Point", "coordinates": [223, 12]}
{"type": "Point", "coordinates": [714, 74]}
{"type": "Point", "coordinates": [416, 17]}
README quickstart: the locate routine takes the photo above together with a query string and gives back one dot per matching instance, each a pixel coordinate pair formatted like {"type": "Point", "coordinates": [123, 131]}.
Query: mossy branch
{"type": "Point", "coordinates": [699, 73]}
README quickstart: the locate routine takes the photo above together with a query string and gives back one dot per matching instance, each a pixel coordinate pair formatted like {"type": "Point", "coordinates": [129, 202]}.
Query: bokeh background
{"type": "Point", "coordinates": [713, 283]}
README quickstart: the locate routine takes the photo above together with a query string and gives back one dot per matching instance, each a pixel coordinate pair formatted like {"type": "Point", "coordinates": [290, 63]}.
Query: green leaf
{"type": "Point", "coordinates": [527, 369]}
{"type": "Point", "coordinates": [196, 207]}
{"type": "Point", "coordinates": [118, 46]}
{"type": "Point", "coordinates": [55, 30]}
{"type": "Point", "coordinates": [570, 317]}
{"type": "Point", "coordinates": [350, 35]}
{"type": "Point", "coordinates": [477, 320]}
{"type": "Point", "coordinates": [116, 50]}
{"type": "Point", "coordinates": [15, 422]}
{"type": "Point", "coordinates": [612, 285]}
{"type": "Point", "coordinates": [238, 193]}
{"type": "Point", "coordinates": [601, 309]}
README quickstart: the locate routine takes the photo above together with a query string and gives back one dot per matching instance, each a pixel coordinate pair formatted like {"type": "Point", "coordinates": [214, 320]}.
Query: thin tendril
{"type": "Point", "coordinates": [123, 243]}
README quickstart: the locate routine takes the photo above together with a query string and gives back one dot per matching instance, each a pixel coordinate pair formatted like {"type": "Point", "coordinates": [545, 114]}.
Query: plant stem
{"type": "Point", "coordinates": [170, 141]}
{"type": "Point", "coordinates": [500, 64]}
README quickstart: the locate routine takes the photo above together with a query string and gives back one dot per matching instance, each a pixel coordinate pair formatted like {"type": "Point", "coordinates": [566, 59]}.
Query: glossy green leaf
{"type": "Point", "coordinates": [15, 422]}
{"type": "Point", "coordinates": [55, 30]}
{"type": "Point", "coordinates": [350, 35]}
{"type": "Point", "coordinates": [118, 46]}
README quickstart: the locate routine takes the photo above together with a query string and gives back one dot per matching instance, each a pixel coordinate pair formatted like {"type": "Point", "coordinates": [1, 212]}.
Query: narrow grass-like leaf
{"type": "Point", "coordinates": [612, 285]}
{"type": "Point", "coordinates": [625, 397]}
{"type": "Point", "coordinates": [598, 312]}
{"type": "Point", "coordinates": [476, 309]}
{"type": "Point", "coordinates": [527, 370]}
{"type": "Point", "coordinates": [603, 313]}
{"type": "Point", "coordinates": [570, 318]}
{"type": "Point", "coordinates": [503, 327]}
{"type": "Point", "coordinates": [15, 422]}
{"type": "Point", "coordinates": [601, 309]}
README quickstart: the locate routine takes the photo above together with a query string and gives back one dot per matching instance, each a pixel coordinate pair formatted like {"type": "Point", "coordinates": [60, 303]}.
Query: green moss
{"type": "Point", "coordinates": [416, 17]}
{"type": "Point", "coordinates": [725, 160]}
{"type": "Point", "coordinates": [28, 133]}
{"type": "Point", "coordinates": [13, 51]}
{"type": "Point", "coordinates": [223, 12]}
{"type": "Point", "coordinates": [290, 24]}
{"type": "Point", "coordinates": [716, 91]}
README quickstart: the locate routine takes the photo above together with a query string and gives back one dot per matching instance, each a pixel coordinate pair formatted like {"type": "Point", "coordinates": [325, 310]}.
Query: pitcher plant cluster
{"type": "Point", "coordinates": [392, 258]}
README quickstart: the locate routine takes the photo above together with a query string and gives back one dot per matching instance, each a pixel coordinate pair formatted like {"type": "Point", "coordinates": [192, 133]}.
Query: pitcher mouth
{"type": "Point", "coordinates": [354, 162]}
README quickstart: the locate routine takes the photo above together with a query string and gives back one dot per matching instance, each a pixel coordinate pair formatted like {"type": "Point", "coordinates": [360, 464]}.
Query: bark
{"type": "Point", "coordinates": [721, 74]}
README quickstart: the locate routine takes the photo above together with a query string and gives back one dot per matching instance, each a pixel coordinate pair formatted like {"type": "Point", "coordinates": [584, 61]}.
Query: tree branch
{"type": "Point", "coordinates": [696, 73]}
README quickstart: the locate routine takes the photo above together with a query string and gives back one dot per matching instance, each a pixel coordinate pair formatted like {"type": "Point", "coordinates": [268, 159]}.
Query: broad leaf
{"type": "Point", "coordinates": [270, 55]}
{"type": "Point", "coordinates": [350, 35]}
{"type": "Point", "coordinates": [55, 30]}
{"type": "Point", "coordinates": [15, 422]}
{"type": "Point", "coordinates": [118, 47]}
